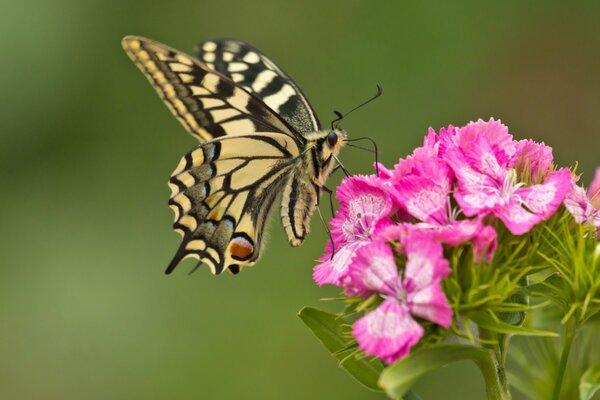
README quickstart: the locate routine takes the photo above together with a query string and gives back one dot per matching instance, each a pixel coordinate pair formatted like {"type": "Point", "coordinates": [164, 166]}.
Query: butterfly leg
{"type": "Point", "coordinates": [327, 230]}
{"type": "Point", "coordinates": [340, 165]}
{"type": "Point", "coordinates": [330, 193]}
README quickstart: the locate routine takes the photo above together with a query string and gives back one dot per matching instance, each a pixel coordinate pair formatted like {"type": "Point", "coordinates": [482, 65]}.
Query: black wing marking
{"type": "Point", "coordinates": [259, 75]}
{"type": "Point", "coordinates": [222, 193]}
{"type": "Point", "coordinates": [208, 104]}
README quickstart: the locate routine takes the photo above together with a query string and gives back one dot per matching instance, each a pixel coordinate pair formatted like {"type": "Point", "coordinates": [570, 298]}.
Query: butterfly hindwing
{"type": "Point", "coordinates": [207, 104]}
{"type": "Point", "coordinates": [222, 193]}
{"type": "Point", "coordinates": [259, 75]}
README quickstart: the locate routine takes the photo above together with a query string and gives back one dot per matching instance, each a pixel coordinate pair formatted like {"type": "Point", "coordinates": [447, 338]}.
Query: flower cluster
{"type": "Point", "coordinates": [389, 235]}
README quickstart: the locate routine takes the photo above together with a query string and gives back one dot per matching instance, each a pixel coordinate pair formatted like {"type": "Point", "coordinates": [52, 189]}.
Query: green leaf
{"type": "Point", "coordinates": [515, 317]}
{"type": "Point", "coordinates": [590, 382]}
{"type": "Point", "coordinates": [552, 288]}
{"type": "Point", "coordinates": [332, 331]}
{"type": "Point", "coordinates": [398, 378]}
{"type": "Point", "coordinates": [486, 321]}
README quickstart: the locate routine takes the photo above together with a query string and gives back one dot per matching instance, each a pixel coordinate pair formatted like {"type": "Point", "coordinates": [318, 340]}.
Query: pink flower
{"type": "Point", "coordinates": [535, 156]}
{"type": "Point", "coordinates": [390, 331]}
{"type": "Point", "coordinates": [594, 190]}
{"type": "Point", "coordinates": [483, 156]}
{"type": "Point", "coordinates": [485, 244]}
{"type": "Point", "coordinates": [581, 205]}
{"type": "Point", "coordinates": [421, 186]}
{"type": "Point", "coordinates": [364, 207]}
{"type": "Point", "coordinates": [411, 165]}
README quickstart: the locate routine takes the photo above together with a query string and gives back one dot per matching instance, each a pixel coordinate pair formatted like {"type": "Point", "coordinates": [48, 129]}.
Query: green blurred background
{"type": "Point", "coordinates": [85, 309]}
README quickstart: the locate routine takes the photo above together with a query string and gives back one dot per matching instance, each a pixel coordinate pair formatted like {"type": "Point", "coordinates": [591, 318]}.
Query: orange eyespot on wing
{"type": "Point", "coordinates": [241, 247]}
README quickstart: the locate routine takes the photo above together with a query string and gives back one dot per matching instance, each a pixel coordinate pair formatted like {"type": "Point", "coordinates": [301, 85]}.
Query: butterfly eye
{"type": "Point", "coordinates": [332, 138]}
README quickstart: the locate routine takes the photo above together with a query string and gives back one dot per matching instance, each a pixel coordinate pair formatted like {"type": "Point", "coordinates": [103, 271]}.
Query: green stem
{"type": "Point", "coordinates": [495, 380]}
{"type": "Point", "coordinates": [570, 333]}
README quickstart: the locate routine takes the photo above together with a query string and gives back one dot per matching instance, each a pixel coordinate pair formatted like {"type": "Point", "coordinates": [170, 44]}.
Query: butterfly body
{"type": "Point", "coordinates": [260, 140]}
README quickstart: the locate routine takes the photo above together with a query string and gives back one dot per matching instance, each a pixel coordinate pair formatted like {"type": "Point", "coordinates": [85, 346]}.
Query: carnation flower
{"type": "Point", "coordinates": [584, 206]}
{"type": "Point", "coordinates": [421, 185]}
{"type": "Point", "coordinates": [408, 239]}
{"type": "Point", "coordinates": [594, 190]}
{"type": "Point", "coordinates": [364, 206]}
{"type": "Point", "coordinates": [390, 330]}
{"type": "Point", "coordinates": [484, 158]}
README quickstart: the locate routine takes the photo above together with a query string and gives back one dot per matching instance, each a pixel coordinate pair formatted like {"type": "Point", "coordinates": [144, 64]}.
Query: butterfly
{"type": "Point", "coordinates": [260, 140]}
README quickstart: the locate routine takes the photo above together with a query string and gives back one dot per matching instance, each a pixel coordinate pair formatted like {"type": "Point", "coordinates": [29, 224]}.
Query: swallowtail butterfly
{"type": "Point", "coordinates": [260, 140]}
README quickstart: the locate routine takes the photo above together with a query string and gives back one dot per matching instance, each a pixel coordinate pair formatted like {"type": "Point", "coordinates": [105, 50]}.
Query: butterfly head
{"type": "Point", "coordinates": [326, 146]}
{"type": "Point", "coordinates": [330, 144]}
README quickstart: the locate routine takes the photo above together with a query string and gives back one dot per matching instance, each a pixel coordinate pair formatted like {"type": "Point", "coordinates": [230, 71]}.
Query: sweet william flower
{"type": "Point", "coordinates": [421, 185]}
{"type": "Point", "coordinates": [537, 157]}
{"type": "Point", "coordinates": [364, 207]}
{"type": "Point", "coordinates": [594, 190]}
{"type": "Point", "coordinates": [484, 158]}
{"type": "Point", "coordinates": [584, 206]}
{"type": "Point", "coordinates": [391, 330]}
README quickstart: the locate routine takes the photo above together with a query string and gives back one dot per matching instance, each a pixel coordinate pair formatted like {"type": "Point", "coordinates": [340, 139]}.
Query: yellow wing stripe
{"type": "Point", "coordinates": [136, 49]}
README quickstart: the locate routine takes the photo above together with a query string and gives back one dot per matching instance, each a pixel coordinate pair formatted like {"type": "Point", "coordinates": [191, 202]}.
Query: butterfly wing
{"type": "Point", "coordinates": [222, 193]}
{"type": "Point", "coordinates": [208, 104]}
{"type": "Point", "coordinates": [259, 75]}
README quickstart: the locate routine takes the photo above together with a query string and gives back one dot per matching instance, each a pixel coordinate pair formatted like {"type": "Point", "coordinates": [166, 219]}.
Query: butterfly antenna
{"type": "Point", "coordinates": [336, 122]}
{"type": "Point", "coordinates": [375, 149]}
{"type": "Point", "coordinates": [360, 148]}
{"type": "Point", "coordinates": [339, 115]}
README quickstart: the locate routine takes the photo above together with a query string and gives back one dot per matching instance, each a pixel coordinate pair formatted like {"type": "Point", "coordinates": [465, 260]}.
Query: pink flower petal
{"type": "Point", "coordinates": [373, 270]}
{"type": "Point", "coordinates": [578, 205]}
{"type": "Point", "coordinates": [454, 233]}
{"type": "Point", "coordinates": [516, 218]}
{"type": "Point", "coordinates": [476, 191]}
{"type": "Point", "coordinates": [423, 198]}
{"type": "Point", "coordinates": [430, 303]}
{"type": "Point", "coordinates": [594, 190]}
{"type": "Point", "coordinates": [388, 332]}
{"type": "Point", "coordinates": [485, 244]}
{"type": "Point", "coordinates": [545, 198]}
{"type": "Point", "coordinates": [425, 263]}
{"type": "Point", "coordinates": [362, 205]}
{"type": "Point", "coordinates": [493, 132]}
{"type": "Point", "coordinates": [384, 172]}
{"type": "Point", "coordinates": [333, 271]}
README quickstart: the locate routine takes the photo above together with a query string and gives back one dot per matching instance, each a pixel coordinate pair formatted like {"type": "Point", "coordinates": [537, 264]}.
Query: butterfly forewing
{"type": "Point", "coordinates": [221, 194]}
{"type": "Point", "coordinates": [256, 73]}
{"type": "Point", "coordinates": [208, 104]}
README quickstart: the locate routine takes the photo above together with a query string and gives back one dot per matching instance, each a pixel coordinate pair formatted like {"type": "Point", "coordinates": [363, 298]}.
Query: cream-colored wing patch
{"type": "Point", "coordinates": [222, 193]}
{"type": "Point", "coordinates": [259, 75]}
